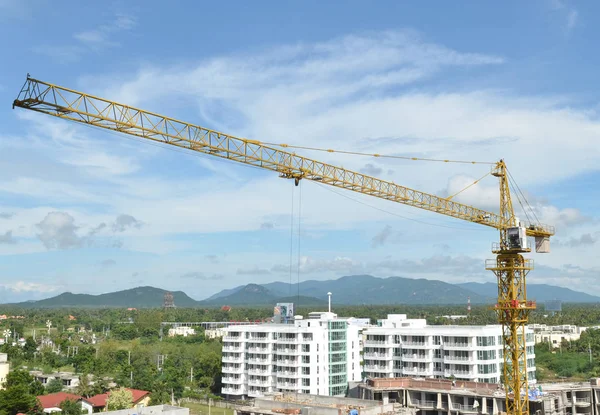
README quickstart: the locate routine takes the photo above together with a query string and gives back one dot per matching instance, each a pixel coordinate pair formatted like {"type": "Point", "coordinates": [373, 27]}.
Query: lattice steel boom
{"type": "Point", "coordinates": [510, 267]}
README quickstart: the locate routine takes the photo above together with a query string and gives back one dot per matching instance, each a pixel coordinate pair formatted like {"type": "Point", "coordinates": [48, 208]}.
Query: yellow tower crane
{"type": "Point", "coordinates": [509, 266]}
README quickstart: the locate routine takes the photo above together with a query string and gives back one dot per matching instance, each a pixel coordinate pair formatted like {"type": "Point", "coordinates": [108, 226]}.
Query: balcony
{"type": "Point", "coordinates": [232, 349]}
{"type": "Point", "coordinates": [228, 369]}
{"type": "Point", "coordinates": [378, 356]}
{"type": "Point", "coordinates": [287, 362]}
{"type": "Point", "coordinates": [259, 360]}
{"type": "Point", "coordinates": [416, 358]}
{"type": "Point", "coordinates": [262, 372]}
{"type": "Point", "coordinates": [263, 350]}
{"type": "Point", "coordinates": [424, 404]}
{"type": "Point", "coordinates": [416, 344]}
{"type": "Point", "coordinates": [259, 339]}
{"type": "Point", "coordinates": [458, 358]}
{"type": "Point", "coordinates": [263, 383]}
{"type": "Point", "coordinates": [234, 380]}
{"type": "Point", "coordinates": [467, 409]}
{"type": "Point", "coordinates": [288, 340]}
{"type": "Point", "coordinates": [457, 345]}
{"type": "Point", "coordinates": [582, 401]}
{"type": "Point", "coordinates": [467, 373]}
{"type": "Point", "coordinates": [377, 343]}
{"type": "Point", "coordinates": [232, 391]}
{"type": "Point", "coordinates": [374, 368]}
{"type": "Point", "coordinates": [231, 359]}
{"type": "Point", "coordinates": [288, 373]}
{"type": "Point", "coordinates": [287, 351]}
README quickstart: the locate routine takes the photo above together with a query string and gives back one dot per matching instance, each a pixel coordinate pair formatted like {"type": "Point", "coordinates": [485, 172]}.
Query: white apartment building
{"type": "Point", "coordinates": [317, 355]}
{"type": "Point", "coordinates": [401, 347]}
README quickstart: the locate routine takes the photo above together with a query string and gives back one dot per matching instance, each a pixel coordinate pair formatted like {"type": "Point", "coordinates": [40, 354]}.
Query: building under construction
{"type": "Point", "coordinates": [446, 397]}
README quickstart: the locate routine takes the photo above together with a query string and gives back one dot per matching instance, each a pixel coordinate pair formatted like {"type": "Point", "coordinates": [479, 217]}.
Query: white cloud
{"type": "Point", "coordinates": [7, 238]}
{"type": "Point", "coordinates": [24, 286]}
{"type": "Point", "coordinates": [570, 13]}
{"type": "Point", "coordinates": [58, 231]}
{"type": "Point", "coordinates": [102, 37]}
{"type": "Point", "coordinates": [124, 222]}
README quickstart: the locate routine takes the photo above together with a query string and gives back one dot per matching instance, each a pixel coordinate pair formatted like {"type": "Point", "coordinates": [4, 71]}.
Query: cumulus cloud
{"type": "Point", "coordinates": [6, 215]}
{"type": "Point", "coordinates": [124, 222]}
{"type": "Point", "coordinates": [58, 231]}
{"type": "Point", "coordinates": [586, 239]}
{"type": "Point", "coordinates": [7, 238]}
{"type": "Point", "coordinates": [202, 276]}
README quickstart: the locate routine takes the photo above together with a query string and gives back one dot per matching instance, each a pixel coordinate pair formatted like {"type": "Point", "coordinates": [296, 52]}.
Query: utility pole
{"type": "Point", "coordinates": [129, 357]}
{"type": "Point", "coordinates": [191, 374]}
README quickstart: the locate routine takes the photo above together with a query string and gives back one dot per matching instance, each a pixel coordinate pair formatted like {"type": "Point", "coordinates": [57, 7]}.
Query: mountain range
{"type": "Point", "coordinates": [350, 290]}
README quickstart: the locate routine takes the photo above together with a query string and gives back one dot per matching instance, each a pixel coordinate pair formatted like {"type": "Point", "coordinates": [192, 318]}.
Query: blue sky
{"type": "Point", "coordinates": [88, 211]}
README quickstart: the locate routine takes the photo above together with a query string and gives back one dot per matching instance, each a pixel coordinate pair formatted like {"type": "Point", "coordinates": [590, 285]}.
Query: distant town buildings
{"type": "Point", "coordinates": [97, 403]}
{"type": "Point", "coordinates": [555, 335]}
{"type": "Point", "coordinates": [181, 331]}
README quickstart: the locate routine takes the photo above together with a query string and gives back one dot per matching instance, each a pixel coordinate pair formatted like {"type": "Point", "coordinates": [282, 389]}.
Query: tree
{"type": "Point", "coordinates": [119, 399]}
{"type": "Point", "coordinates": [16, 399]}
{"type": "Point", "coordinates": [22, 378]}
{"type": "Point", "coordinates": [71, 407]}
{"type": "Point", "coordinates": [55, 385]}
{"type": "Point", "coordinates": [84, 388]}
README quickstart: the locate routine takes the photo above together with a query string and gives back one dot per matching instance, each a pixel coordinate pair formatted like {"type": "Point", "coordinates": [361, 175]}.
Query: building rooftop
{"type": "Point", "coordinates": [54, 400]}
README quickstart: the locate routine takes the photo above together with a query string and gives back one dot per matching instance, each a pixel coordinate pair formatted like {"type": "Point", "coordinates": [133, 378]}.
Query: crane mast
{"type": "Point", "coordinates": [509, 266]}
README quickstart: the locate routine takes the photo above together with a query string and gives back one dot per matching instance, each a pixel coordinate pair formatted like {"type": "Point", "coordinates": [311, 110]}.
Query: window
{"type": "Point", "coordinates": [305, 382]}
{"type": "Point", "coordinates": [305, 359]}
{"type": "Point", "coordinates": [437, 340]}
{"type": "Point", "coordinates": [306, 370]}
{"type": "Point", "coordinates": [306, 348]}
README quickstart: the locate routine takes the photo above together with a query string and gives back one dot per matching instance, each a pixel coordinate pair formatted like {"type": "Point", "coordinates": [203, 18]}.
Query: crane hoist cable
{"type": "Point", "coordinates": [358, 153]}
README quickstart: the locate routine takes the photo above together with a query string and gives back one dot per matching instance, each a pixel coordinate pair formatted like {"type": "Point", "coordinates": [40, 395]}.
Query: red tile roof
{"type": "Point", "coordinates": [99, 401]}
{"type": "Point", "coordinates": [54, 400]}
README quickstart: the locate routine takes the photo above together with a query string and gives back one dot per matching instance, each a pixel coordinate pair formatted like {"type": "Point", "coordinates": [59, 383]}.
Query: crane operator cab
{"type": "Point", "coordinates": [517, 238]}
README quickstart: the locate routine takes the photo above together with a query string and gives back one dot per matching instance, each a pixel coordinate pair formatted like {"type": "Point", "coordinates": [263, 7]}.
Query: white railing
{"type": "Point", "coordinates": [375, 342]}
{"type": "Point", "coordinates": [424, 404]}
{"type": "Point", "coordinates": [380, 356]}
{"type": "Point", "coordinates": [458, 358]}
{"type": "Point", "coordinates": [376, 368]}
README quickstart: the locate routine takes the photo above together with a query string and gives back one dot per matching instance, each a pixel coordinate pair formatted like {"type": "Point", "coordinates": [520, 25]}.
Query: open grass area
{"type": "Point", "coordinates": [200, 409]}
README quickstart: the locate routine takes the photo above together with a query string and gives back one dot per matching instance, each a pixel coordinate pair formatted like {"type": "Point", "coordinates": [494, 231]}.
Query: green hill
{"type": "Point", "coordinates": [140, 297]}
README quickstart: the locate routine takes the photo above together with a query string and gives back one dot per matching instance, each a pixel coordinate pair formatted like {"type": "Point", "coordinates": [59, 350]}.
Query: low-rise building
{"type": "Point", "coordinates": [401, 347]}
{"type": "Point", "coordinates": [140, 399]}
{"type": "Point", "coordinates": [69, 380]}
{"type": "Point", "coordinates": [4, 369]}
{"type": "Point", "coordinates": [51, 402]}
{"type": "Point", "coordinates": [555, 335]}
{"type": "Point", "coordinates": [182, 331]}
